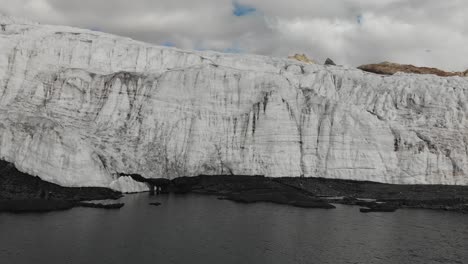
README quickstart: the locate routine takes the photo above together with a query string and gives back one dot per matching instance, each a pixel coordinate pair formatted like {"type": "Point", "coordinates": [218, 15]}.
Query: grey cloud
{"type": "Point", "coordinates": [422, 32]}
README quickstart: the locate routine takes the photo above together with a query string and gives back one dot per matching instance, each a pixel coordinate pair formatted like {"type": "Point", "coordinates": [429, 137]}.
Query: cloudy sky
{"type": "Point", "coordinates": [351, 32]}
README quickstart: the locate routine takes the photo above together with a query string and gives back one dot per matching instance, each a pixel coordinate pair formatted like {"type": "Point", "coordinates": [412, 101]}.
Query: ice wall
{"type": "Point", "coordinates": [77, 107]}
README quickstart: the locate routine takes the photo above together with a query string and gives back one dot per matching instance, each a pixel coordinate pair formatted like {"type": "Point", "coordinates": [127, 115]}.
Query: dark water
{"type": "Point", "coordinates": [202, 229]}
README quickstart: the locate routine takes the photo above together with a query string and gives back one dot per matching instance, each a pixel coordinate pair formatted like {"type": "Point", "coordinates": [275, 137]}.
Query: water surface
{"type": "Point", "coordinates": [202, 229]}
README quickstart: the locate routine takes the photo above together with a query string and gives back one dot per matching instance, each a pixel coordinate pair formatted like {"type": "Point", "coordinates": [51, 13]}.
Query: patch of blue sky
{"type": "Point", "coordinates": [359, 19]}
{"type": "Point", "coordinates": [168, 44]}
{"type": "Point", "coordinates": [242, 10]}
{"type": "Point", "coordinates": [233, 50]}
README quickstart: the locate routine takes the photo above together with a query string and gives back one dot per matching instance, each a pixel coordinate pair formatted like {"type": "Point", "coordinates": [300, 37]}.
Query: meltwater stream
{"type": "Point", "coordinates": [202, 229]}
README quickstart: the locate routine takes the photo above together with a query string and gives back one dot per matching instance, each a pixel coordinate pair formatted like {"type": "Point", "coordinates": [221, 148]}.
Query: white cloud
{"type": "Point", "coordinates": [422, 32]}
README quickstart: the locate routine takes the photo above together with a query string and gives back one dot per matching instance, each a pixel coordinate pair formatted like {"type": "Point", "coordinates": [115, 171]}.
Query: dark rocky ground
{"type": "Point", "coordinates": [248, 189]}
{"type": "Point", "coordinates": [319, 192]}
{"type": "Point", "coordinates": [439, 197]}
{"type": "Point", "coordinates": [21, 192]}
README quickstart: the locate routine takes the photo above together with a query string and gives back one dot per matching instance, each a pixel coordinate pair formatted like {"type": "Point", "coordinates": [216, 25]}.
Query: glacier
{"type": "Point", "coordinates": [79, 107]}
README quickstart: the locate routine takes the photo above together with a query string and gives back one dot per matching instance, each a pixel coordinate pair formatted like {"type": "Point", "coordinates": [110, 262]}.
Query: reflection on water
{"type": "Point", "coordinates": [202, 229]}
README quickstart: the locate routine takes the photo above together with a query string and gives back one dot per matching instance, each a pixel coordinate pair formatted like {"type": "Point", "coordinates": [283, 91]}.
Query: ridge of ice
{"type": "Point", "coordinates": [78, 107]}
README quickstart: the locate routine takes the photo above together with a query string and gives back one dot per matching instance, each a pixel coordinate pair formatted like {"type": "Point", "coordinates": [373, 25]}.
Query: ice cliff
{"type": "Point", "coordinates": [78, 107]}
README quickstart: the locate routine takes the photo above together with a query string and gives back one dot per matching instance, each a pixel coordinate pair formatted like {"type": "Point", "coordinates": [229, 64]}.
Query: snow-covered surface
{"type": "Point", "coordinates": [77, 107]}
{"type": "Point", "coordinates": [128, 185]}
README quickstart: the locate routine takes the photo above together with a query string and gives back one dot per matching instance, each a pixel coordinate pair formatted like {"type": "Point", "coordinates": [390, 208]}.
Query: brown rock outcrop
{"type": "Point", "coordinates": [302, 58]}
{"type": "Point", "coordinates": [390, 68]}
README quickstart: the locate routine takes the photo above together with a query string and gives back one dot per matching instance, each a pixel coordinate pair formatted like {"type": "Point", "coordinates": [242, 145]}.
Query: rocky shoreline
{"type": "Point", "coordinates": [322, 193]}
{"type": "Point", "coordinates": [436, 197]}
{"type": "Point", "coordinates": [248, 189]}
{"type": "Point", "coordinates": [20, 192]}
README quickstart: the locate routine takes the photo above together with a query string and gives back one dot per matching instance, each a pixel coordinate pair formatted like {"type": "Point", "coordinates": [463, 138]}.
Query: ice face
{"type": "Point", "coordinates": [77, 107]}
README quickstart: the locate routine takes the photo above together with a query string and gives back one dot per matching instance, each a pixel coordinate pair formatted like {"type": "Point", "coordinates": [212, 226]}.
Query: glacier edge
{"type": "Point", "coordinates": [78, 107]}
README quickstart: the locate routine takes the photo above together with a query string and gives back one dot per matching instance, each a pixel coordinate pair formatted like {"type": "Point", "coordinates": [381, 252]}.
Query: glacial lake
{"type": "Point", "coordinates": [202, 229]}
